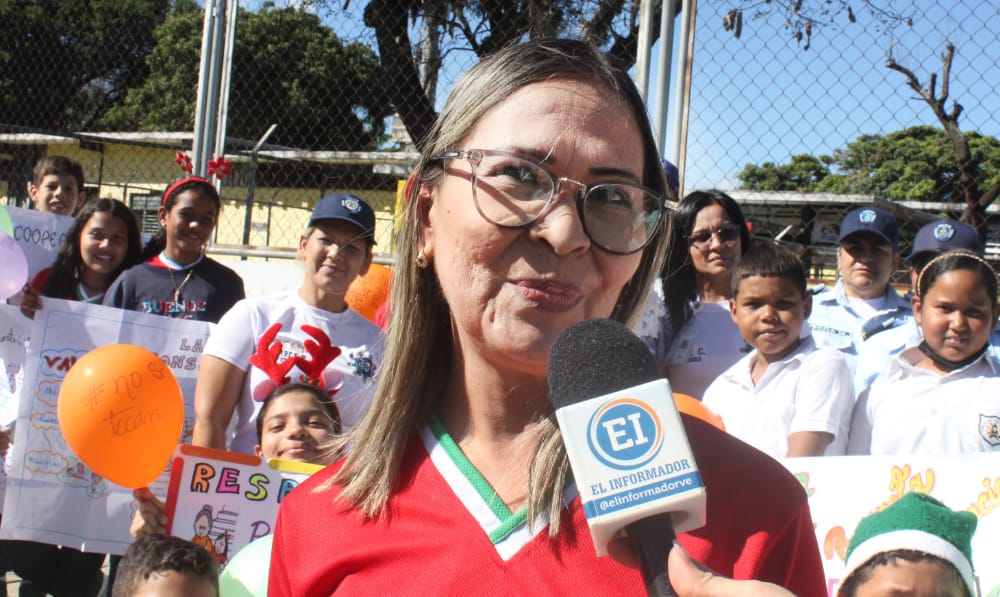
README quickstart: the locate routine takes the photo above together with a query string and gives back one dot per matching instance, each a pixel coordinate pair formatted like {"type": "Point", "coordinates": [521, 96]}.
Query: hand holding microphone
{"type": "Point", "coordinates": [626, 445]}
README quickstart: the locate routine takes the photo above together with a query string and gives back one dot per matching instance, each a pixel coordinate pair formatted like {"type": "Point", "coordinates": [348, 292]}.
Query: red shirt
{"type": "Point", "coordinates": [428, 542]}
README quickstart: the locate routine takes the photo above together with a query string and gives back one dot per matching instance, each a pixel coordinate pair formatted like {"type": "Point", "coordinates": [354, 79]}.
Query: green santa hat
{"type": "Point", "coordinates": [916, 522]}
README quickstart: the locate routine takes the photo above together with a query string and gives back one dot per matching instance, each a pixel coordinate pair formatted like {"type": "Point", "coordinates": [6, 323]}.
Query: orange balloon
{"type": "Point", "coordinates": [121, 412]}
{"type": "Point", "coordinates": [368, 292]}
{"type": "Point", "coordinates": [690, 405]}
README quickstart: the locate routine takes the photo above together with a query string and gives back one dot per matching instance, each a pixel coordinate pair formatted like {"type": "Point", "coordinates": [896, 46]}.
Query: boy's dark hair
{"type": "Point", "coordinates": [770, 259]}
{"type": "Point", "coordinates": [318, 394]}
{"type": "Point", "coordinates": [59, 165]}
{"type": "Point", "coordinates": [849, 588]}
{"type": "Point", "coordinates": [155, 553]}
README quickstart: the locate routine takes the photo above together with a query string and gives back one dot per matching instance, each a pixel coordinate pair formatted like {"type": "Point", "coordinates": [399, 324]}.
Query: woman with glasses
{"type": "Point", "coordinates": [539, 203]}
{"type": "Point", "coordinates": [687, 325]}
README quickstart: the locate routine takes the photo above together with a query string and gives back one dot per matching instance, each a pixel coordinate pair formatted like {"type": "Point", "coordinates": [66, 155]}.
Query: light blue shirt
{"type": "Point", "coordinates": [834, 324]}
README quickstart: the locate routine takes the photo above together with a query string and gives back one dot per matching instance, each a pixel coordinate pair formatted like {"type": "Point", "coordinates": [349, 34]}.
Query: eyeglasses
{"type": "Point", "coordinates": [727, 234]}
{"type": "Point", "coordinates": [513, 191]}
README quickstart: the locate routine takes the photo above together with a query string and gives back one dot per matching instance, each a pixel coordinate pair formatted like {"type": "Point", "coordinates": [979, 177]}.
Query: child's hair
{"type": "Point", "coordinates": [154, 553]}
{"type": "Point", "coordinates": [58, 165]}
{"type": "Point", "coordinates": [769, 259]}
{"type": "Point", "coordinates": [956, 260]}
{"type": "Point", "coordinates": [66, 269]}
{"type": "Point", "coordinates": [159, 240]}
{"type": "Point", "coordinates": [318, 394]}
{"type": "Point", "coordinates": [849, 588]}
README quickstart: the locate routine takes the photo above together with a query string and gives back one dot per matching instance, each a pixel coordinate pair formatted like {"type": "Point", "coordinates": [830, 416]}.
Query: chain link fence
{"type": "Point", "coordinates": [798, 116]}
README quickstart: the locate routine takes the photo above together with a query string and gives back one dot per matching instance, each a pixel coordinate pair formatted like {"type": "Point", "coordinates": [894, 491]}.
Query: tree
{"type": "Point", "coordinates": [64, 64]}
{"type": "Point", "coordinates": [803, 173]}
{"type": "Point", "coordinates": [482, 26]}
{"type": "Point", "coordinates": [975, 188]}
{"type": "Point", "coordinates": [914, 164]}
{"type": "Point", "coordinates": [286, 64]}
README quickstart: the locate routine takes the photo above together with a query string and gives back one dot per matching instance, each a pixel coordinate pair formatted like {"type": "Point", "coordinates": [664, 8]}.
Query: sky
{"type": "Point", "coordinates": [763, 98]}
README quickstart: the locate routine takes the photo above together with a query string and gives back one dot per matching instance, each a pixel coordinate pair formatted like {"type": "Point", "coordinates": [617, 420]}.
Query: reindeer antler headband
{"type": "Point", "coordinates": [219, 167]}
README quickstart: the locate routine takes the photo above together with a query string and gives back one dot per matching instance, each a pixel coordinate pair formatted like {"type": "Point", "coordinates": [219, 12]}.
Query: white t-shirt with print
{"type": "Point", "coordinates": [345, 348]}
{"type": "Point", "coordinates": [705, 347]}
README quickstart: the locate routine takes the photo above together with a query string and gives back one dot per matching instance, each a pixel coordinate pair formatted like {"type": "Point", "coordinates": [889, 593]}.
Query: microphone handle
{"type": "Point", "coordinates": [652, 539]}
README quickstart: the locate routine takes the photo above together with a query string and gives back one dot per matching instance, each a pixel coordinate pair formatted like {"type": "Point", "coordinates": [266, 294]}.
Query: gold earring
{"type": "Point", "coordinates": [421, 261]}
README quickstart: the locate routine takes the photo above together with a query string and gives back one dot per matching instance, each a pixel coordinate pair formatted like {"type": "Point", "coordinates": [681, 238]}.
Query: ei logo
{"type": "Point", "coordinates": [624, 433]}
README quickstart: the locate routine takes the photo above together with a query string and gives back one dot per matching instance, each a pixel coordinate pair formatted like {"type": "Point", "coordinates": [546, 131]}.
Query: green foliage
{"type": "Point", "coordinates": [914, 164]}
{"type": "Point", "coordinates": [287, 67]}
{"type": "Point", "coordinates": [64, 64]}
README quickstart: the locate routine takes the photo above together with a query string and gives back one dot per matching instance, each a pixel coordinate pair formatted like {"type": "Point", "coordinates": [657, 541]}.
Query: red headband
{"type": "Point", "coordinates": [181, 182]}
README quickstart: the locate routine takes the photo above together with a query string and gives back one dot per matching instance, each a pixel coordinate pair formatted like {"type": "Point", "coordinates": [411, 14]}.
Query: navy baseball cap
{"type": "Point", "coordinates": [349, 208]}
{"type": "Point", "coordinates": [946, 235]}
{"type": "Point", "coordinates": [870, 219]}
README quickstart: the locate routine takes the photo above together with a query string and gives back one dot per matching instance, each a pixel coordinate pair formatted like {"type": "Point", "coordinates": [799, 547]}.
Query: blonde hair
{"type": "Point", "coordinates": [419, 345]}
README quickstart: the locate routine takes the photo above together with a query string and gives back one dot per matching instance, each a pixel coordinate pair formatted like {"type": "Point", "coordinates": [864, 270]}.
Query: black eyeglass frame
{"type": "Point", "coordinates": [474, 157]}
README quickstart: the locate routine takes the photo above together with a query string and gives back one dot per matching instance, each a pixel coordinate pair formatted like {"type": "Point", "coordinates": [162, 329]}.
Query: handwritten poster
{"type": "Point", "coordinates": [39, 235]}
{"type": "Point", "coordinates": [843, 490]}
{"type": "Point", "coordinates": [14, 329]}
{"type": "Point", "coordinates": [51, 496]}
{"type": "Point", "coordinates": [223, 500]}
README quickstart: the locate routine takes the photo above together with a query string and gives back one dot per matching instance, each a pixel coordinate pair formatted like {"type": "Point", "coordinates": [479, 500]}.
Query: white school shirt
{"type": "Point", "coordinates": [808, 390]}
{"type": "Point", "coordinates": [915, 411]}
{"type": "Point", "coordinates": [708, 344]}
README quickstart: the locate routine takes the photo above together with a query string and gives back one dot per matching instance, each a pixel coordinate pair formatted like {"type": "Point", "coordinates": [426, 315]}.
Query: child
{"type": "Point", "coordinates": [940, 396]}
{"type": "Point", "coordinates": [101, 243]}
{"type": "Point", "coordinates": [177, 279]}
{"type": "Point", "coordinates": [786, 398]}
{"type": "Point", "coordinates": [916, 542]}
{"type": "Point", "coordinates": [163, 565]}
{"type": "Point", "coordinates": [56, 185]}
{"type": "Point", "coordinates": [295, 422]}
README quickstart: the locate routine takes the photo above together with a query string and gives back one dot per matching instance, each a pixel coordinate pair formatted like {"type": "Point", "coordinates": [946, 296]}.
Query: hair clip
{"type": "Point", "coordinates": [220, 167]}
{"type": "Point", "coordinates": [184, 161]}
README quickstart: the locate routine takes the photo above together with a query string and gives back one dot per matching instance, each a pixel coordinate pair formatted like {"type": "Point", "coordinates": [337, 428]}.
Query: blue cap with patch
{"type": "Point", "coordinates": [349, 208]}
{"type": "Point", "coordinates": [946, 235]}
{"type": "Point", "coordinates": [870, 219]}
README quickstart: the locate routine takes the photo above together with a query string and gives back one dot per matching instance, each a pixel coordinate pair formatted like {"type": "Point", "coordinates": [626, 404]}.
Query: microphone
{"type": "Point", "coordinates": [626, 444]}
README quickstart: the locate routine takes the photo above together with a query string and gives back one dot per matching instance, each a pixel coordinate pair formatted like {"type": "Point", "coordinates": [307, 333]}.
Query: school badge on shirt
{"type": "Point", "coordinates": [989, 430]}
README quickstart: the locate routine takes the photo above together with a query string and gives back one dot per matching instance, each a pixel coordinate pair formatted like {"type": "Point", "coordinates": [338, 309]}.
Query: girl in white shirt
{"type": "Point", "coordinates": [941, 396]}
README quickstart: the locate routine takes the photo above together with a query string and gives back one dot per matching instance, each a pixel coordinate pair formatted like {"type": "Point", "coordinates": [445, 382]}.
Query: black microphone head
{"type": "Point", "coordinates": [596, 357]}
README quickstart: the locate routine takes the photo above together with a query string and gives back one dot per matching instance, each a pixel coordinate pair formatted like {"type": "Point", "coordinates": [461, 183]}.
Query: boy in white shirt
{"type": "Point", "coordinates": [786, 398]}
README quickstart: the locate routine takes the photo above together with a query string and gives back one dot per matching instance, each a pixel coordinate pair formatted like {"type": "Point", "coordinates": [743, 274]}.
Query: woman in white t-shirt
{"type": "Point", "coordinates": [308, 336]}
{"type": "Point", "coordinates": [709, 237]}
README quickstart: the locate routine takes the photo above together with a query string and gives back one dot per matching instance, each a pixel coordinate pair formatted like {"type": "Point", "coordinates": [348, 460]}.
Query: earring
{"type": "Point", "coordinates": [421, 260]}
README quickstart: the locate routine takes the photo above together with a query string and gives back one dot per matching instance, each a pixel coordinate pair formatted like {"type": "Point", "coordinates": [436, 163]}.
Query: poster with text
{"type": "Point", "coordinates": [843, 490]}
{"type": "Point", "coordinates": [39, 235]}
{"type": "Point", "coordinates": [52, 497]}
{"type": "Point", "coordinates": [223, 500]}
{"type": "Point", "coordinates": [14, 329]}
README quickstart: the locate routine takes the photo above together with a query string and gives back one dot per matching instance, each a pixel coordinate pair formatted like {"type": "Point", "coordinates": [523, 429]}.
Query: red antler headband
{"type": "Point", "coordinates": [220, 167]}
